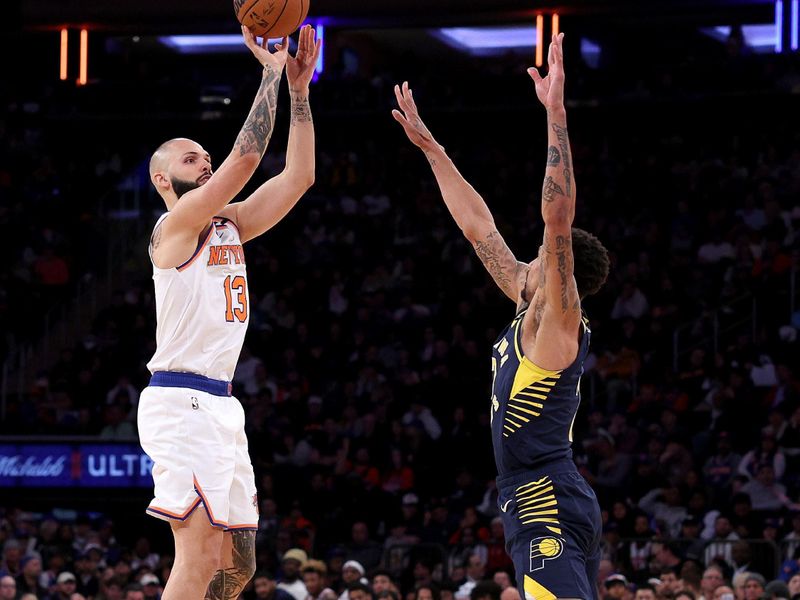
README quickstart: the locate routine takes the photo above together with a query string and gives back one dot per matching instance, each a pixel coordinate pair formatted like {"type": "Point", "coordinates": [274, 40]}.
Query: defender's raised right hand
{"type": "Point", "coordinates": [550, 88]}
{"type": "Point", "coordinates": [275, 60]}
{"type": "Point", "coordinates": [415, 129]}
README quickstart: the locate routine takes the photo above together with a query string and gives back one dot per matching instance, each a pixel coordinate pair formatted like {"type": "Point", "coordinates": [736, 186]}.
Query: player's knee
{"type": "Point", "coordinates": [206, 553]}
{"type": "Point", "coordinates": [244, 553]}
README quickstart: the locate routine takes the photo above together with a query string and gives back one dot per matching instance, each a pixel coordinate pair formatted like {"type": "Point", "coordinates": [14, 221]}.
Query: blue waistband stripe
{"type": "Point", "coordinates": [193, 381]}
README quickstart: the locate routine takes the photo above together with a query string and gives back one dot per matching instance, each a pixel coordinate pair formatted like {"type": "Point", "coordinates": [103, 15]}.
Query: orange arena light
{"type": "Point", "coordinates": [64, 46]}
{"type": "Point", "coordinates": [84, 67]}
{"type": "Point", "coordinates": [539, 39]}
{"type": "Point", "coordinates": [554, 24]}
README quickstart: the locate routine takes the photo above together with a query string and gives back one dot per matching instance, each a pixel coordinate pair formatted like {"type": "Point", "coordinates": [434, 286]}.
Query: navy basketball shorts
{"type": "Point", "coordinates": [553, 530]}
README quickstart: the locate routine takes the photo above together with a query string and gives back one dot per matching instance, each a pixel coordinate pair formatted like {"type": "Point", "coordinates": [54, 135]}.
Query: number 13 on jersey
{"type": "Point", "coordinates": [235, 299]}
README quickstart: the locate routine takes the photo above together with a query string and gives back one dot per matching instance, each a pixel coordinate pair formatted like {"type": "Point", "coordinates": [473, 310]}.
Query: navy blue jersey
{"type": "Point", "coordinates": [533, 409]}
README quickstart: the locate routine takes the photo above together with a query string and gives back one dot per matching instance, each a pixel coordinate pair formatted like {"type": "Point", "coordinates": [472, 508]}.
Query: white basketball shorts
{"type": "Point", "coordinates": [199, 449]}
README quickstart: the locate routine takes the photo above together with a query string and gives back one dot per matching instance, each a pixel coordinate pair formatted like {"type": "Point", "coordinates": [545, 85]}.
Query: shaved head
{"type": "Point", "coordinates": [161, 157]}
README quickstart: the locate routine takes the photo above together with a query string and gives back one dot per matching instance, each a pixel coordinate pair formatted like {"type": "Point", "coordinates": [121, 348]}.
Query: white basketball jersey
{"type": "Point", "coordinates": [202, 307]}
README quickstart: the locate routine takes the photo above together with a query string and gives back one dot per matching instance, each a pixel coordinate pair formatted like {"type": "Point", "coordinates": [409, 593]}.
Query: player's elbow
{"type": "Point", "coordinates": [301, 179]}
{"type": "Point", "coordinates": [475, 229]}
{"type": "Point", "coordinates": [246, 162]}
{"type": "Point", "coordinates": [558, 216]}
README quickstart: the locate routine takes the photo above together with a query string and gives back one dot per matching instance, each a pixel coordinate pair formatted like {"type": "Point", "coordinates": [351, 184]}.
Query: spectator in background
{"type": "Point", "coordinates": [382, 580]}
{"type": "Point", "coordinates": [117, 426]}
{"type": "Point", "coordinates": [738, 583]}
{"type": "Point", "coordinates": [133, 591]}
{"type": "Point", "coordinates": [692, 547]}
{"type": "Point", "coordinates": [475, 572]}
{"type": "Point", "coordinates": [794, 586]}
{"type": "Point", "coordinates": [502, 579]}
{"type": "Point", "coordinates": [359, 591]}
{"type": "Point", "coordinates": [754, 586]}
{"type": "Point", "coordinates": [645, 592]}
{"type": "Point", "coordinates": [266, 588]}
{"type": "Point", "coordinates": [485, 590]}
{"type": "Point", "coordinates": [12, 554]}
{"type": "Point", "coordinates": [616, 586]}
{"type": "Point", "coordinates": [666, 506]}
{"type": "Point", "coordinates": [765, 492]}
{"type": "Point", "coordinates": [28, 579]}
{"type": "Point", "coordinates": [723, 592]}
{"type": "Point", "coordinates": [421, 416]}
{"type": "Point", "coordinates": [151, 586]}
{"type": "Point", "coordinates": [715, 250]}
{"type": "Point", "coordinates": [776, 589]}
{"type": "Point", "coordinates": [713, 578]}
{"type": "Point", "coordinates": [613, 467]}
{"type": "Point", "coordinates": [766, 453]}
{"type": "Point", "coordinates": [720, 468]}
{"type": "Point", "coordinates": [631, 303]}
{"type": "Point", "coordinates": [742, 557]}
{"type": "Point", "coordinates": [292, 563]}
{"type": "Point", "coordinates": [720, 547]}
{"type": "Point", "coordinates": [8, 588]}
{"type": "Point", "coordinates": [142, 556]}
{"type": "Point", "coordinates": [362, 549]}
{"type": "Point", "coordinates": [352, 573]}
{"type": "Point", "coordinates": [791, 541]}
{"type": "Point", "coordinates": [426, 592]}
{"type": "Point", "coordinates": [66, 584]}
{"type": "Point", "coordinates": [314, 574]}
{"type": "Point", "coordinates": [510, 593]}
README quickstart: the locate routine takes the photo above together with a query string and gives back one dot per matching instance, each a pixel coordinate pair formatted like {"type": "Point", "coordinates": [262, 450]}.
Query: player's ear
{"type": "Point", "coordinates": [161, 181]}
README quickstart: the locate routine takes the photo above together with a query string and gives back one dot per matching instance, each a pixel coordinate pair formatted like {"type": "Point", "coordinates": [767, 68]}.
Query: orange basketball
{"type": "Point", "coordinates": [271, 18]}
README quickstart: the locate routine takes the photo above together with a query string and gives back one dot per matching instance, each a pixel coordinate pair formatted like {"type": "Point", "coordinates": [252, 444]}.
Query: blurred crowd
{"type": "Point", "coordinates": [365, 374]}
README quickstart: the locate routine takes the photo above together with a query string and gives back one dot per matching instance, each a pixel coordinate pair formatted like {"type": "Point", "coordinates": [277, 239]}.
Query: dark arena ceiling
{"type": "Point", "coordinates": [156, 16]}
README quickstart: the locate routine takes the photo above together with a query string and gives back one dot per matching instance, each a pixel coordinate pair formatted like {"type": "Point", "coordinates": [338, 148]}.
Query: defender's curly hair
{"type": "Point", "coordinates": [591, 262]}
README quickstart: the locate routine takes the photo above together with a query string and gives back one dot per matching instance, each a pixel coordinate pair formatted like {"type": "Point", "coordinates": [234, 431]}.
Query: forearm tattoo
{"type": "Point", "coordinates": [228, 583]}
{"type": "Point", "coordinates": [257, 129]}
{"type": "Point", "coordinates": [301, 109]}
{"type": "Point", "coordinates": [563, 142]}
{"type": "Point", "coordinates": [551, 189]}
{"type": "Point", "coordinates": [563, 246]}
{"type": "Point", "coordinates": [553, 156]}
{"type": "Point", "coordinates": [498, 260]}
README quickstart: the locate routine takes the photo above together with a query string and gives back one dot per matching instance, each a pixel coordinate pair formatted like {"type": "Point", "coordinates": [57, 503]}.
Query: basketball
{"type": "Point", "coordinates": [271, 18]}
{"type": "Point", "coordinates": [549, 547]}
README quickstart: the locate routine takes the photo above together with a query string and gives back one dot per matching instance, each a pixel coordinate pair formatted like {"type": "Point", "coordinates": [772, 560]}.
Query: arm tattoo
{"type": "Point", "coordinates": [553, 156]}
{"type": "Point", "coordinates": [551, 188]}
{"type": "Point", "coordinates": [563, 142]}
{"type": "Point", "coordinates": [301, 109]}
{"type": "Point", "coordinates": [563, 245]}
{"type": "Point", "coordinates": [430, 159]}
{"type": "Point", "coordinates": [257, 130]}
{"type": "Point", "coordinates": [498, 260]}
{"type": "Point", "coordinates": [155, 239]}
{"type": "Point", "coordinates": [228, 583]}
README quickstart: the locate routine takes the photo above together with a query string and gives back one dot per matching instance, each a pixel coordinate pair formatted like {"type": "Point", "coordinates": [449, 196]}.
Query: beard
{"type": "Point", "coordinates": [180, 186]}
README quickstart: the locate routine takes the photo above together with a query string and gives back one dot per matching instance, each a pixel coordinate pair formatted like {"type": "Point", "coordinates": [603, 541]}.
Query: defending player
{"type": "Point", "coordinates": [551, 516]}
{"type": "Point", "coordinates": [189, 423]}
